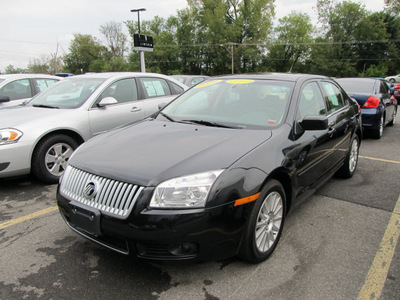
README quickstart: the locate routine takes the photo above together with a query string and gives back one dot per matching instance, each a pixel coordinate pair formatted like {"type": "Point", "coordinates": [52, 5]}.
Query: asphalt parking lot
{"type": "Point", "coordinates": [340, 244]}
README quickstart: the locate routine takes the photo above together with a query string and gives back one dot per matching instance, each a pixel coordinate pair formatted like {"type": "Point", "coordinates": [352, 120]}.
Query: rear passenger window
{"type": "Point", "coordinates": [334, 96]}
{"type": "Point", "coordinates": [155, 87]}
{"type": "Point", "coordinates": [176, 89]}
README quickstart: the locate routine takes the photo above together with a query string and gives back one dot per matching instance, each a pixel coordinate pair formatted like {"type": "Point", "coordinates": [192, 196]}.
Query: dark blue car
{"type": "Point", "coordinates": [378, 107]}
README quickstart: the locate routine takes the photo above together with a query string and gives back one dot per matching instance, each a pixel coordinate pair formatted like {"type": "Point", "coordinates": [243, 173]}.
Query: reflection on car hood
{"type": "Point", "coordinates": [18, 115]}
{"type": "Point", "coordinates": [150, 152]}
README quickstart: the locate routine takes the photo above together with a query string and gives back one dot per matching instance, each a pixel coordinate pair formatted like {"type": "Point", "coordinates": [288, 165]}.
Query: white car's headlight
{"type": "Point", "coordinates": [184, 192]}
{"type": "Point", "coordinates": [9, 135]}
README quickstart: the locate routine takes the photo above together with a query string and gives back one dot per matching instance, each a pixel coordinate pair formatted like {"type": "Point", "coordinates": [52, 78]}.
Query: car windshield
{"type": "Point", "coordinates": [68, 93]}
{"type": "Point", "coordinates": [357, 86]}
{"type": "Point", "coordinates": [1, 80]}
{"type": "Point", "coordinates": [236, 103]}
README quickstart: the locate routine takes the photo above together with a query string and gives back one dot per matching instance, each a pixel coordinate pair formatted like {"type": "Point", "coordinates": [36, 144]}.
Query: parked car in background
{"type": "Point", "coordinates": [393, 78]}
{"type": "Point", "coordinates": [396, 93]}
{"type": "Point", "coordinates": [17, 88]}
{"type": "Point", "coordinates": [214, 173]}
{"type": "Point", "coordinates": [40, 136]}
{"type": "Point", "coordinates": [377, 105]}
{"type": "Point", "coordinates": [190, 80]}
{"type": "Point", "coordinates": [64, 74]}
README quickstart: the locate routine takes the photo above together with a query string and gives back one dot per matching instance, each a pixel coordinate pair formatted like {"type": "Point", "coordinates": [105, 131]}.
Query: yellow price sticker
{"type": "Point", "coordinates": [239, 81]}
{"type": "Point", "coordinates": [207, 84]}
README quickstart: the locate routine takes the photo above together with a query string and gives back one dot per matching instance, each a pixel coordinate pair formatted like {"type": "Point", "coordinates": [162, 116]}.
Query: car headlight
{"type": "Point", "coordinates": [9, 135]}
{"type": "Point", "coordinates": [184, 192]}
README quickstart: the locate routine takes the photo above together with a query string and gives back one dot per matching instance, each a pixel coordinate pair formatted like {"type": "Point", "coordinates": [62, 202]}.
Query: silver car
{"type": "Point", "coordinates": [40, 136]}
{"type": "Point", "coordinates": [17, 88]}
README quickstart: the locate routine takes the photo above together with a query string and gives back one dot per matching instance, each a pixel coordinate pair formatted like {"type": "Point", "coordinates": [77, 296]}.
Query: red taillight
{"type": "Point", "coordinates": [372, 102]}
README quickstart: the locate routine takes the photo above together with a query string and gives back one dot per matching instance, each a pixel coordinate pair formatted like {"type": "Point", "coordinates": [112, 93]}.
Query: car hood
{"type": "Point", "coordinates": [150, 152]}
{"type": "Point", "coordinates": [14, 117]}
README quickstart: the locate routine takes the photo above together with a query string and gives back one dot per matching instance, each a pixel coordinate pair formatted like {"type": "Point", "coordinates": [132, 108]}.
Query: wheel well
{"type": "Point", "coordinates": [70, 133]}
{"type": "Point", "coordinates": [283, 177]}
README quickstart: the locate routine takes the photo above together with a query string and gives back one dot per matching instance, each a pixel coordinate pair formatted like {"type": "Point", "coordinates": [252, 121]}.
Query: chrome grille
{"type": "Point", "coordinates": [111, 197]}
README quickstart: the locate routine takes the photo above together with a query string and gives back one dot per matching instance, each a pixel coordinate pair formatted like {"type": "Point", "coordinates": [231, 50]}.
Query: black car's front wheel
{"type": "Point", "coordinates": [265, 224]}
{"type": "Point", "coordinates": [50, 157]}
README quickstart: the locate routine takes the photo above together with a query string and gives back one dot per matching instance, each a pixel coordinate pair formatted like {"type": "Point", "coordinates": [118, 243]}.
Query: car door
{"type": "Point", "coordinates": [384, 93]}
{"type": "Point", "coordinates": [15, 92]}
{"type": "Point", "coordinates": [315, 146]}
{"type": "Point", "coordinates": [127, 108]}
{"type": "Point", "coordinates": [340, 119]}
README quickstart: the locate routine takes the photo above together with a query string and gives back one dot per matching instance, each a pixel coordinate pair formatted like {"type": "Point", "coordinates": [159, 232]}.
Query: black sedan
{"type": "Point", "coordinates": [214, 173]}
{"type": "Point", "coordinates": [378, 108]}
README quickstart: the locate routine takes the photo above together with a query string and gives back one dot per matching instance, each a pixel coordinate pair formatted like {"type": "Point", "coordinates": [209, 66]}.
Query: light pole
{"type": "Point", "coordinates": [141, 53]}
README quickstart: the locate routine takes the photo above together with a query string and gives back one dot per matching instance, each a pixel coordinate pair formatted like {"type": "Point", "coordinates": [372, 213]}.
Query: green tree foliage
{"type": "Point", "coordinates": [220, 36]}
{"type": "Point", "coordinates": [10, 69]}
{"type": "Point", "coordinates": [293, 37]}
{"type": "Point", "coordinates": [83, 51]}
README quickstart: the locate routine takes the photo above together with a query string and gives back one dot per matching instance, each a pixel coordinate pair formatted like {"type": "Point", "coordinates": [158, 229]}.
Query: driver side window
{"type": "Point", "coordinates": [311, 101]}
{"type": "Point", "coordinates": [123, 91]}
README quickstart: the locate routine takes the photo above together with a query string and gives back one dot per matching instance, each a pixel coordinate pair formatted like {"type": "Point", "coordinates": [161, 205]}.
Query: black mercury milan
{"type": "Point", "coordinates": [215, 172]}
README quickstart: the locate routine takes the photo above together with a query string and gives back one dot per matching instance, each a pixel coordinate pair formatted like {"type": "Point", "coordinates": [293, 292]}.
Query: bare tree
{"type": "Point", "coordinates": [116, 39]}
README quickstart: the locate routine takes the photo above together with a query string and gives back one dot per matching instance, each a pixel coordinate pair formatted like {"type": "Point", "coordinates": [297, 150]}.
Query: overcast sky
{"type": "Point", "coordinates": [31, 28]}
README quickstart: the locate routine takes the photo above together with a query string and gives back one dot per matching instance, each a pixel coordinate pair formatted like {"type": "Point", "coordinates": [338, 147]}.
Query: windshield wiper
{"type": "Point", "coordinates": [210, 123]}
{"type": "Point", "coordinates": [45, 106]}
{"type": "Point", "coordinates": [167, 117]}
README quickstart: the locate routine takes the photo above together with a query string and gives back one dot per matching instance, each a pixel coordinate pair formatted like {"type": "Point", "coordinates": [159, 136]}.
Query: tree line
{"type": "Point", "coordinates": [216, 37]}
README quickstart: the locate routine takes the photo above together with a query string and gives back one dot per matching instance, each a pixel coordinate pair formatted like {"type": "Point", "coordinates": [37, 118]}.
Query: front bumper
{"type": "Point", "coordinates": [15, 159]}
{"type": "Point", "coordinates": [196, 234]}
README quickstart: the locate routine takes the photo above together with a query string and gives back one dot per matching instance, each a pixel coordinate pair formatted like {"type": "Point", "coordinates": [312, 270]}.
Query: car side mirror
{"type": "Point", "coordinates": [4, 99]}
{"type": "Point", "coordinates": [315, 123]}
{"type": "Point", "coordinates": [107, 101]}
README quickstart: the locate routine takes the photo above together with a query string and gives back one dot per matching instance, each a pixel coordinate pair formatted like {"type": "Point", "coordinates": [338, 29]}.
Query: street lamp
{"type": "Point", "coordinates": [141, 53]}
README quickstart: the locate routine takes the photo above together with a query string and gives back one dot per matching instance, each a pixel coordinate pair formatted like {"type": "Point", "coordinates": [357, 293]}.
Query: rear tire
{"type": "Point", "coordinates": [350, 164]}
{"type": "Point", "coordinates": [391, 123]}
{"type": "Point", "coordinates": [377, 133]}
{"type": "Point", "coordinates": [265, 224]}
{"type": "Point", "coordinates": [50, 157]}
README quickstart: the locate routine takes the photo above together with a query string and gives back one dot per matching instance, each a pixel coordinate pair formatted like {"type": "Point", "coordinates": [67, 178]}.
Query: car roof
{"type": "Point", "coordinates": [16, 76]}
{"type": "Point", "coordinates": [275, 76]}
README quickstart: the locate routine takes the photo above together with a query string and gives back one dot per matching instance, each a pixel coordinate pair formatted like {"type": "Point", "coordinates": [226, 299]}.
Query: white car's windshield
{"type": "Point", "coordinates": [238, 103]}
{"type": "Point", "coordinates": [68, 93]}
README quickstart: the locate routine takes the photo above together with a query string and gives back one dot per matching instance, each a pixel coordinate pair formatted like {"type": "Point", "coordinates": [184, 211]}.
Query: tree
{"type": "Point", "coordinates": [293, 37]}
{"type": "Point", "coordinates": [39, 65]}
{"type": "Point", "coordinates": [393, 6]}
{"type": "Point", "coordinates": [84, 50]}
{"type": "Point", "coordinates": [115, 38]}
{"type": "Point", "coordinates": [11, 70]}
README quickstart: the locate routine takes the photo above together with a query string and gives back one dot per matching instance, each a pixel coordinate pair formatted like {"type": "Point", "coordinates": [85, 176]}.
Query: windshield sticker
{"type": "Point", "coordinates": [271, 122]}
{"type": "Point", "coordinates": [207, 84]}
{"type": "Point", "coordinates": [239, 81]}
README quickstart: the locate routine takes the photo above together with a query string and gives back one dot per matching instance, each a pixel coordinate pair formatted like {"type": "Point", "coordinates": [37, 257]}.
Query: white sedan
{"type": "Point", "coordinates": [17, 88]}
{"type": "Point", "coordinates": [40, 136]}
{"type": "Point", "coordinates": [394, 78]}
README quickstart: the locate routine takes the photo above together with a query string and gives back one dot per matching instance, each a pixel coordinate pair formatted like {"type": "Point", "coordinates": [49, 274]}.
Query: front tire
{"type": "Point", "coordinates": [51, 156]}
{"type": "Point", "coordinates": [265, 223]}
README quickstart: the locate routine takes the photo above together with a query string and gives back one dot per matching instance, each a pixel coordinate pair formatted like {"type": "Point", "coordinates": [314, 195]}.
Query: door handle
{"type": "Point", "coordinates": [135, 109]}
{"type": "Point", "coordinates": [331, 131]}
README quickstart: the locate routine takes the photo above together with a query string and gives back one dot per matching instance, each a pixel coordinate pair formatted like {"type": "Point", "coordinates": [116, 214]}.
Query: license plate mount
{"type": "Point", "coordinates": [84, 218]}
